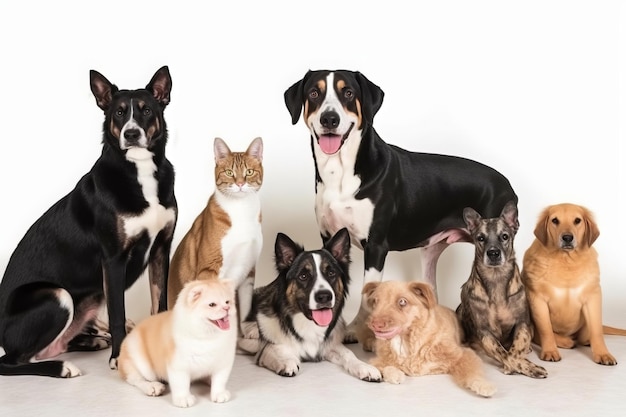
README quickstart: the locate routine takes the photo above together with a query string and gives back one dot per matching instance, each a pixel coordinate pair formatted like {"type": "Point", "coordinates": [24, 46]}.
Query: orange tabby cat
{"type": "Point", "coordinates": [226, 237]}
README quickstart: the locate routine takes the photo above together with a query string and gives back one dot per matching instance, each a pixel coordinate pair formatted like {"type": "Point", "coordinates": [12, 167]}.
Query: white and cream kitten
{"type": "Point", "coordinates": [194, 341]}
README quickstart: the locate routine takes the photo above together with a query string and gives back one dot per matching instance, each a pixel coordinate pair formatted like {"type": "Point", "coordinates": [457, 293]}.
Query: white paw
{"type": "Point", "coordinates": [368, 373]}
{"type": "Point", "coordinates": [70, 370]}
{"type": "Point", "coordinates": [113, 363]}
{"type": "Point", "coordinates": [291, 368]}
{"type": "Point", "coordinates": [220, 397]}
{"type": "Point", "coordinates": [184, 401]}
{"type": "Point", "coordinates": [153, 388]}
{"type": "Point", "coordinates": [483, 388]}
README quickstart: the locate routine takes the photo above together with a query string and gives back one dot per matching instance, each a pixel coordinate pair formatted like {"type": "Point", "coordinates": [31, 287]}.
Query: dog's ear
{"type": "Point", "coordinates": [372, 97]}
{"type": "Point", "coordinates": [510, 215]}
{"type": "Point", "coordinates": [161, 85]}
{"type": "Point", "coordinates": [339, 246]}
{"type": "Point", "coordinates": [424, 292]}
{"type": "Point", "coordinates": [220, 149]}
{"type": "Point", "coordinates": [102, 89]}
{"type": "Point", "coordinates": [368, 289]}
{"type": "Point", "coordinates": [471, 218]}
{"type": "Point", "coordinates": [285, 251]}
{"type": "Point", "coordinates": [255, 149]}
{"type": "Point", "coordinates": [592, 232]}
{"type": "Point", "coordinates": [541, 229]}
{"type": "Point", "coordinates": [294, 98]}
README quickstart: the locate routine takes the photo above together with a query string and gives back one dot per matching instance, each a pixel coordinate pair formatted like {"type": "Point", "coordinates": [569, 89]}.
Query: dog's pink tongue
{"type": "Point", "coordinates": [322, 317]}
{"type": "Point", "coordinates": [223, 324]}
{"type": "Point", "coordinates": [330, 144]}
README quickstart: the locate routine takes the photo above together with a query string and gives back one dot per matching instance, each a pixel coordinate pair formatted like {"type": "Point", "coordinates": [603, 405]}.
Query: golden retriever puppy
{"type": "Point", "coordinates": [562, 279]}
{"type": "Point", "coordinates": [416, 336]}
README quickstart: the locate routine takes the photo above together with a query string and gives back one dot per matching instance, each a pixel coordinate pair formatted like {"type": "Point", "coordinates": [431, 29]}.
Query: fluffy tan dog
{"type": "Point", "coordinates": [194, 341]}
{"type": "Point", "coordinates": [416, 336]}
{"type": "Point", "coordinates": [562, 279]}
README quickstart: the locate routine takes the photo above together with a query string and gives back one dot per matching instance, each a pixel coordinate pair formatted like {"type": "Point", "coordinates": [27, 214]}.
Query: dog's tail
{"type": "Point", "coordinates": [613, 331]}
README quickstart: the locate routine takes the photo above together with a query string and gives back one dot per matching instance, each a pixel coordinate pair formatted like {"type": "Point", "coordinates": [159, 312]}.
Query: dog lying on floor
{"type": "Point", "coordinates": [299, 313]}
{"type": "Point", "coordinates": [562, 278]}
{"type": "Point", "coordinates": [494, 309]}
{"type": "Point", "coordinates": [416, 336]}
{"type": "Point", "coordinates": [389, 198]}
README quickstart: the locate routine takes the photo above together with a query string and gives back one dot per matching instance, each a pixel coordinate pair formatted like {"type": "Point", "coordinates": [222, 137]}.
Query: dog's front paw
{"type": "Point", "coordinates": [152, 388]}
{"type": "Point", "coordinates": [604, 359]}
{"type": "Point", "coordinates": [250, 330]}
{"type": "Point", "coordinates": [220, 397]}
{"type": "Point", "coordinates": [69, 370]}
{"type": "Point", "coordinates": [291, 368]}
{"type": "Point", "coordinates": [184, 401]}
{"type": "Point", "coordinates": [393, 375]}
{"type": "Point", "coordinates": [482, 387]}
{"type": "Point", "coordinates": [534, 371]}
{"type": "Point", "coordinates": [368, 373]}
{"type": "Point", "coordinates": [550, 355]}
{"type": "Point", "coordinates": [113, 363]}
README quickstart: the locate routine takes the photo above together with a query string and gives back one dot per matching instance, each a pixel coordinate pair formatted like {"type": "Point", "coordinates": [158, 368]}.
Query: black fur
{"type": "Point", "coordinates": [79, 247]}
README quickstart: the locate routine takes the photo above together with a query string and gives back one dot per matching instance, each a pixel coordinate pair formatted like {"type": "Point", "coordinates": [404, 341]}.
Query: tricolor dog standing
{"type": "Point", "coordinates": [94, 243]}
{"type": "Point", "coordinates": [387, 197]}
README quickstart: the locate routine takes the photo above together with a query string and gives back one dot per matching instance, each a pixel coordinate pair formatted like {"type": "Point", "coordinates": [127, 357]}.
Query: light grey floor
{"type": "Point", "coordinates": [575, 387]}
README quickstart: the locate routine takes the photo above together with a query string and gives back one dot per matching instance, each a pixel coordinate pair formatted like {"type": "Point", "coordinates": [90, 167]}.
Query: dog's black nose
{"type": "Point", "coordinates": [567, 238]}
{"type": "Point", "coordinates": [330, 119]}
{"type": "Point", "coordinates": [132, 135]}
{"type": "Point", "coordinates": [323, 296]}
{"type": "Point", "coordinates": [493, 254]}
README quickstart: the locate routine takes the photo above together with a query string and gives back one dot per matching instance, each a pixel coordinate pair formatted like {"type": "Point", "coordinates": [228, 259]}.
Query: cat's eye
{"type": "Point", "coordinates": [212, 304]}
{"type": "Point", "coordinates": [249, 172]}
{"type": "Point", "coordinates": [229, 172]}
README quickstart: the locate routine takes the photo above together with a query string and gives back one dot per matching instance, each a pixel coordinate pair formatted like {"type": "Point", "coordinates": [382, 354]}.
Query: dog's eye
{"type": "Point", "coordinates": [120, 112]}
{"type": "Point", "coordinates": [402, 302]}
{"type": "Point", "coordinates": [577, 220]}
{"type": "Point", "coordinates": [504, 236]}
{"type": "Point", "coordinates": [303, 276]}
{"type": "Point", "coordinates": [480, 238]}
{"type": "Point", "coordinates": [314, 94]}
{"type": "Point", "coordinates": [147, 111]}
{"type": "Point", "coordinates": [229, 172]}
{"type": "Point", "coordinates": [348, 94]}
{"type": "Point", "coordinates": [249, 172]}
{"type": "Point", "coordinates": [555, 221]}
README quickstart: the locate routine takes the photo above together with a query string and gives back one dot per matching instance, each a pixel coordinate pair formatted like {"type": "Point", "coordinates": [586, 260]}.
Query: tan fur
{"type": "Point", "coordinates": [416, 336]}
{"type": "Point", "coordinates": [563, 284]}
{"type": "Point", "coordinates": [184, 344]}
{"type": "Point", "coordinates": [238, 176]}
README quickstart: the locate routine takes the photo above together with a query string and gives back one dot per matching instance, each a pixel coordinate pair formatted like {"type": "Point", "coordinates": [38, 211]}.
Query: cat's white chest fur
{"type": "Point", "coordinates": [242, 244]}
{"type": "Point", "coordinates": [335, 205]}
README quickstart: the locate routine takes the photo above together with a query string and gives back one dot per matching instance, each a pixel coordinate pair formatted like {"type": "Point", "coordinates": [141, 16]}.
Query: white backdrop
{"type": "Point", "coordinates": [534, 89]}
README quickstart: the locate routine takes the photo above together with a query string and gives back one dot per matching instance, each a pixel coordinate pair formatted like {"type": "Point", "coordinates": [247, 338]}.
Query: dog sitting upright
{"type": "Point", "coordinates": [299, 313]}
{"type": "Point", "coordinates": [95, 242]}
{"type": "Point", "coordinates": [494, 311]}
{"type": "Point", "coordinates": [387, 197]}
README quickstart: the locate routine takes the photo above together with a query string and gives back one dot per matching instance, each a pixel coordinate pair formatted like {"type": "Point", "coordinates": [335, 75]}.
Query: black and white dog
{"type": "Point", "coordinates": [390, 199]}
{"type": "Point", "coordinates": [299, 313]}
{"type": "Point", "coordinates": [95, 242]}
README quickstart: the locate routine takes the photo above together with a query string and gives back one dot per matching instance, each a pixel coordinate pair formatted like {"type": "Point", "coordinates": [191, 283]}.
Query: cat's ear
{"type": "Point", "coordinates": [255, 149]}
{"type": "Point", "coordinates": [192, 292]}
{"type": "Point", "coordinates": [339, 246]}
{"type": "Point", "coordinates": [285, 251]}
{"type": "Point", "coordinates": [220, 149]}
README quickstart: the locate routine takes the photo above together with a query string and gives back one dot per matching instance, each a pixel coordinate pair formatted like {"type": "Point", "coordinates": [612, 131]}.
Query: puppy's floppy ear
{"type": "Point", "coordinates": [285, 251]}
{"type": "Point", "coordinates": [510, 216]}
{"type": "Point", "coordinates": [339, 246]}
{"type": "Point", "coordinates": [369, 288]}
{"type": "Point", "coordinates": [424, 292]}
{"type": "Point", "coordinates": [471, 218]}
{"type": "Point", "coordinates": [592, 232]}
{"type": "Point", "coordinates": [294, 98]}
{"type": "Point", "coordinates": [102, 89]}
{"type": "Point", "coordinates": [372, 97]}
{"type": "Point", "coordinates": [541, 229]}
{"type": "Point", "coordinates": [161, 85]}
